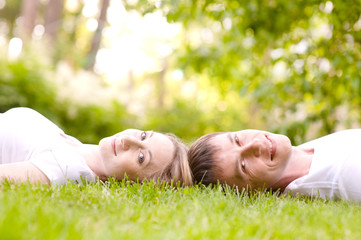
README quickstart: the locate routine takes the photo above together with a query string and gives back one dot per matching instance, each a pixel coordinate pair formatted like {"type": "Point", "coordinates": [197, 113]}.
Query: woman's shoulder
{"type": "Point", "coordinates": [20, 114]}
{"type": "Point", "coordinates": [27, 118]}
{"type": "Point", "coordinates": [21, 111]}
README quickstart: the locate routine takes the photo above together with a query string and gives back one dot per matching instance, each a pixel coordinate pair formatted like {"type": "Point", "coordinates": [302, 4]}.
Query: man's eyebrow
{"type": "Point", "coordinates": [238, 173]}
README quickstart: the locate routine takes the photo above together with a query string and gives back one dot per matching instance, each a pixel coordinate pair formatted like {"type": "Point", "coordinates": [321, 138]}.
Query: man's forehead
{"type": "Point", "coordinates": [220, 144]}
{"type": "Point", "coordinates": [222, 167]}
{"type": "Point", "coordinates": [222, 154]}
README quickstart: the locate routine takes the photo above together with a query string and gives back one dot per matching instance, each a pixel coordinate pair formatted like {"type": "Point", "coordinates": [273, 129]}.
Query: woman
{"type": "Point", "coordinates": [34, 149]}
{"type": "Point", "coordinates": [328, 167]}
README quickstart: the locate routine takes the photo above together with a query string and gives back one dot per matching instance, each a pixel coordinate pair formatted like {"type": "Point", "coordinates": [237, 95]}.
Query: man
{"type": "Point", "coordinates": [328, 167]}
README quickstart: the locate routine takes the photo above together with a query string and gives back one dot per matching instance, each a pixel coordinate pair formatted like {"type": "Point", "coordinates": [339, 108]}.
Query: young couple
{"type": "Point", "coordinates": [34, 149]}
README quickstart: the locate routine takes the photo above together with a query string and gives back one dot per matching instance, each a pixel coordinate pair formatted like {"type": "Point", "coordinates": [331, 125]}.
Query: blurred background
{"type": "Point", "coordinates": [191, 67]}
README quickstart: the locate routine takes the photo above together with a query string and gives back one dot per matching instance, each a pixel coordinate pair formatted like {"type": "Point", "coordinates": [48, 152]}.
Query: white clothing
{"type": "Point", "coordinates": [26, 135]}
{"type": "Point", "coordinates": [335, 171]}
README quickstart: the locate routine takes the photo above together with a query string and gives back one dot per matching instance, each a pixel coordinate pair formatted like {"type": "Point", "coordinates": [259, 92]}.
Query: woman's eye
{"type": "Point", "coordinates": [236, 139]}
{"type": "Point", "coordinates": [143, 135]}
{"type": "Point", "coordinates": [141, 157]}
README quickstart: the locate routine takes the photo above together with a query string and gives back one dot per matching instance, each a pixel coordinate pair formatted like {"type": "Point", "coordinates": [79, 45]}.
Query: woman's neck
{"type": "Point", "coordinates": [298, 166]}
{"type": "Point", "coordinates": [91, 155]}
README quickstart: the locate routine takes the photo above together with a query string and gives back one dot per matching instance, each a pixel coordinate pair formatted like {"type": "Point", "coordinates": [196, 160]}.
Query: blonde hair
{"type": "Point", "coordinates": [178, 169]}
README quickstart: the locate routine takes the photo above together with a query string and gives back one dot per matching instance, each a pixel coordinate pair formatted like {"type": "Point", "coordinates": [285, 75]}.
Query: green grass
{"type": "Point", "coordinates": [133, 211]}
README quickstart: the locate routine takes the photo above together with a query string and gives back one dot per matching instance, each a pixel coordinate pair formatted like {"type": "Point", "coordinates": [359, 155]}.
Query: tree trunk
{"type": "Point", "coordinates": [53, 18]}
{"type": "Point", "coordinates": [95, 44]}
{"type": "Point", "coordinates": [29, 10]}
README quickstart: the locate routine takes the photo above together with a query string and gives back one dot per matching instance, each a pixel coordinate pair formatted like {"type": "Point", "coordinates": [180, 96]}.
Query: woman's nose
{"type": "Point", "coordinates": [252, 148]}
{"type": "Point", "coordinates": [129, 142]}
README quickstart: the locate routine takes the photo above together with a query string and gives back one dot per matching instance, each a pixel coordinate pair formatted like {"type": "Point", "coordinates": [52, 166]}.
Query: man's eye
{"type": "Point", "coordinates": [141, 157]}
{"type": "Point", "coordinates": [143, 135]}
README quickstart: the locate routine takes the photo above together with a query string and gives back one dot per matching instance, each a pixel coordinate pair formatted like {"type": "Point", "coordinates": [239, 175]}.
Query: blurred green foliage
{"type": "Point", "coordinates": [24, 83]}
{"type": "Point", "coordinates": [291, 67]}
{"type": "Point", "coordinates": [296, 62]}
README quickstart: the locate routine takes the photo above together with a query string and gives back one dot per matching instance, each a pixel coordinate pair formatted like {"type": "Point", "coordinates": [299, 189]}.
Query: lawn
{"type": "Point", "coordinates": [133, 211]}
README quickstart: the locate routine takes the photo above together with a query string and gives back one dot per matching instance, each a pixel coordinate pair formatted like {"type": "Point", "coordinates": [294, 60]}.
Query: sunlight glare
{"type": "Point", "coordinates": [2, 4]}
{"type": "Point", "coordinates": [92, 24]}
{"type": "Point", "coordinates": [125, 56]}
{"type": "Point", "coordinates": [38, 32]}
{"type": "Point", "coordinates": [277, 53]}
{"type": "Point", "coordinates": [132, 2]}
{"type": "Point", "coordinates": [217, 26]}
{"type": "Point", "coordinates": [72, 6]}
{"type": "Point", "coordinates": [323, 31]}
{"type": "Point", "coordinates": [301, 47]}
{"type": "Point", "coordinates": [324, 65]}
{"type": "Point", "coordinates": [222, 106]}
{"type": "Point", "coordinates": [298, 64]}
{"type": "Point", "coordinates": [156, 25]}
{"type": "Point", "coordinates": [357, 25]}
{"type": "Point", "coordinates": [164, 50]}
{"type": "Point", "coordinates": [116, 13]}
{"type": "Point", "coordinates": [135, 44]}
{"type": "Point", "coordinates": [15, 47]}
{"type": "Point", "coordinates": [280, 71]}
{"type": "Point", "coordinates": [189, 89]}
{"type": "Point", "coordinates": [90, 8]}
{"type": "Point", "coordinates": [3, 41]}
{"type": "Point", "coordinates": [207, 35]}
{"type": "Point", "coordinates": [327, 8]}
{"type": "Point", "coordinates": [177, 75]}
{"type": "Point", "coordinates": [227, 23]}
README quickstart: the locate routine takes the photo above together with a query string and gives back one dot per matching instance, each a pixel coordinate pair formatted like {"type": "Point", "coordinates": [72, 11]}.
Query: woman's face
{"type": "Point", "coordinates": [136, 153]}
{"type": "Point", "coordinates": [251, 158]}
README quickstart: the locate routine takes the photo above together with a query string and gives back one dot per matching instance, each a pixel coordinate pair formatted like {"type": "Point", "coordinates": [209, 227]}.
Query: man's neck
{"type": "Point", "coordinates": [298, 166]}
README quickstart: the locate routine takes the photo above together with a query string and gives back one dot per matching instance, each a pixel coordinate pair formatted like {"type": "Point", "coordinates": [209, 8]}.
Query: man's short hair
{"type": "Point", "coordinates": [201, 157]}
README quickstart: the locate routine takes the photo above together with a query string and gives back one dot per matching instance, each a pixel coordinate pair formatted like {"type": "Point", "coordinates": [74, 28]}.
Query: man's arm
{"type": "Point", "coordinates": [22, 172]}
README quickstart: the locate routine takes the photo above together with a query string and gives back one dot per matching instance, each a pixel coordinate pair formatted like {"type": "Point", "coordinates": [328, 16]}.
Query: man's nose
{"type": "Point", "coordinates": [252, 148]}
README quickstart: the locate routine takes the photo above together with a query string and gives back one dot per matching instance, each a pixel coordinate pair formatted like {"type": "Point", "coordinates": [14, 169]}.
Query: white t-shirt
{"type": "Point", "coordinates": [335, 171]}
{"type": "Point", "coordinates": [26, 135]}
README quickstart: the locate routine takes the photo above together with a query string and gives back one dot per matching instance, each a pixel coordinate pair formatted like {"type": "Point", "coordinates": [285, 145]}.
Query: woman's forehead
{"type": "Point", "coordinates": [162, 148]}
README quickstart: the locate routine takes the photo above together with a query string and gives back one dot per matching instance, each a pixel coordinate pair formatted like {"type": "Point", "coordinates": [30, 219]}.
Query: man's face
{"type": "Point", "coordinates": [251, 158]}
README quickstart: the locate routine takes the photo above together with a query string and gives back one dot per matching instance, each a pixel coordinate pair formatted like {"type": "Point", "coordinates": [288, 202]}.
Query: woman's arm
{"type": "Point", "coordinates": [22, 172]}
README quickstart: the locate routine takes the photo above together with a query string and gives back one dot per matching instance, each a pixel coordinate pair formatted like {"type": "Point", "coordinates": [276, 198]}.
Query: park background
{"type": "Point", "coordinates": [189, 67]}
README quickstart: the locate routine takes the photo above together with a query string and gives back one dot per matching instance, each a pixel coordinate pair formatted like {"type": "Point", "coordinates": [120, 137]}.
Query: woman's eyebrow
{"type": "Point", "coordinates": [229, 135]}
{"type": "Point", "coordinates": [150, 156]}
{"type": "Point", "coordinates": [148, 150]}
